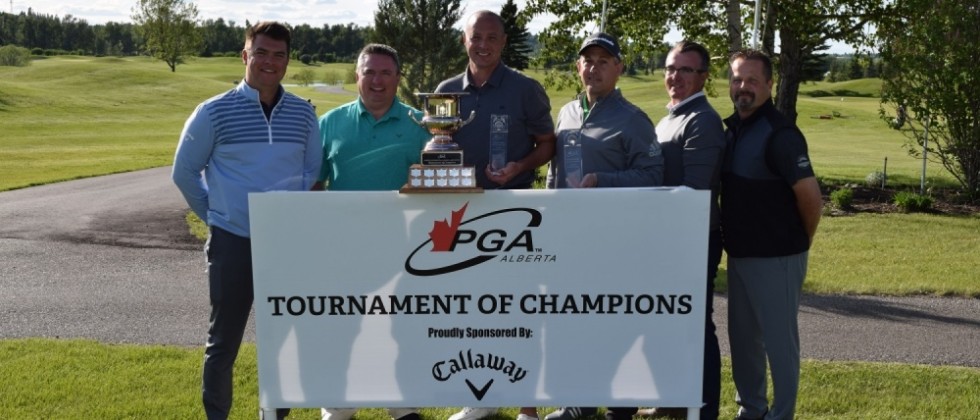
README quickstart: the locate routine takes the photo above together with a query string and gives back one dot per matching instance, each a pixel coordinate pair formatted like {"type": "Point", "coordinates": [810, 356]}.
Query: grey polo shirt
{"type": "Point", "coordinates": [617, 142]}
{"type": "Point", "coordinates": [509, 105]}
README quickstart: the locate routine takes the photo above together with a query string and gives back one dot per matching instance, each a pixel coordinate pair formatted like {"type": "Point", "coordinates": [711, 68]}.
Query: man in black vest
{"type": "Point", "coordinates": [770, 206]}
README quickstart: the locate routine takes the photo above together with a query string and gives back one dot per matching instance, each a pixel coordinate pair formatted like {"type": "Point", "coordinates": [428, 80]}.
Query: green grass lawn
{"type": "Point", "coordinates": [70, 117]}
{"type": "Point", "coordinates": [896, 254]}
{"type": "Point", "coordinates": [82, 379]}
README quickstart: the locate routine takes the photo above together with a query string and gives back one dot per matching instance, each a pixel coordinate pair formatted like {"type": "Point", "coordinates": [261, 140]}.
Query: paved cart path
{"type": "Point", "coordinates": [109, 258]}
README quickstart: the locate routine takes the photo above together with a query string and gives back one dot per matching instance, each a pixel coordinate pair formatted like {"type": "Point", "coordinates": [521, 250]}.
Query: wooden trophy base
{"type": "Point", "coordinates": [440, 179]}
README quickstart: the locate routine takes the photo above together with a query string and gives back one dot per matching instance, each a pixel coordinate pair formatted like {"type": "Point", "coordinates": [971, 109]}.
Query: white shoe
{"type": "Point", "coordinates": [337, 413]}
{"type": "Point", "coordinates": [473, 413]}
{"type": "Point", "coordinates": [523, 416]}
{"type": "Point", "coordinates": [570, 413]}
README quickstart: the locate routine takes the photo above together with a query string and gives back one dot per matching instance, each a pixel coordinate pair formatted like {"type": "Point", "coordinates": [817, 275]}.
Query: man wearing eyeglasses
{"type": "Point", "coordinates": [693, 141]}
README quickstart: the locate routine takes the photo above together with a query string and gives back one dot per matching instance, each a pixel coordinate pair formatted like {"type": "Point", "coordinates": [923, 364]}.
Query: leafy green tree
{"type": "Point", "coordinates": [803, 28]}
{"type": "Point", "coordinates": [305, 77]}
{"type": "Point", "coordinates": [168, 28]}
{"type": "Point", "coordinates": [422, 31]}
{"type": "Point", "coordinates": [931, 81]}
{"type": "Point", "coordinates": [14, 56]}
{"type": "Point", "coordinates": [516, 53]}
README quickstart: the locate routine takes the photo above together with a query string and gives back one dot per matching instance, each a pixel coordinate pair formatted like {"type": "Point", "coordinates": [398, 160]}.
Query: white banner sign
{"type": "Point", "coordinates": [506, 298]}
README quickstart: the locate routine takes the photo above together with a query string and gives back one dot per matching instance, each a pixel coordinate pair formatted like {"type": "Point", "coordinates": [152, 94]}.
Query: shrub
{"type": "Point", "coordinates": [306, 59]}
{"type": "Point", "coordinates": [912, 202]}
{"type": "Point", "coordinates": [14, 56]}
{"type": "Point", "coordinates": [332, 77]}
{"type": "Point", "coordinates": [875, 179]}
{"type": "Point", "coordinates": [305, 77]}
{"type": "Point", "coordinates": [842, 198]}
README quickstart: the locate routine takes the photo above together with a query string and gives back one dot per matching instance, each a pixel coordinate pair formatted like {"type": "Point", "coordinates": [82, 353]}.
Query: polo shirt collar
{"type": "Point", "coordinates": [765, 108]}
{"type": "Point", "coordinates": [672, 109]}
{"type": "Point", "coordinates": [496, 78]}
{"type": "Point", "coordinates": [392, 112]}
{"type": "Point", "coordinates": [253, 94]}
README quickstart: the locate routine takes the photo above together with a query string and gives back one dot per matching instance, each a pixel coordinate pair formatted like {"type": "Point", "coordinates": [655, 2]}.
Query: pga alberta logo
{"type": "Point", "coordinates": [505, 235]}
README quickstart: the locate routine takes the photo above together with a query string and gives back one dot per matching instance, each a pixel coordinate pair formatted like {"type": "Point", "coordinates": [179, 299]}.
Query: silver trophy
{"type": "Point", "coordinates": [441, 165]}
{"type": "Point", "coordinates": [442, 119]}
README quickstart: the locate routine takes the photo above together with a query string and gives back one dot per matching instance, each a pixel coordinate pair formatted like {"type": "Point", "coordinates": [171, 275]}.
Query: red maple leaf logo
{"type": "Point", "coordinates": [443, 232]}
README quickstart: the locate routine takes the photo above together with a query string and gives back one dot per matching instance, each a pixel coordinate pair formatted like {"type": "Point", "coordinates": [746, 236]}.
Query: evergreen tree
{"type": "Point", "coordinates": [429, 48]}
{"type": "Point", "coordinates": [854, 68]}
{"type": "Point", "coordinates": [815, 66]}
{"type": "Point", "coordinates": [835, 73]}
{"type": "Point", "coordinates": [516, 53]}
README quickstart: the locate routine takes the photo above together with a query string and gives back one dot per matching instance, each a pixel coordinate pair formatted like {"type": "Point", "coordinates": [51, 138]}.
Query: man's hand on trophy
{"type": "Point", "coordinates": [503, 175]}
{"type": "Point", "coordinates": [590, 180]}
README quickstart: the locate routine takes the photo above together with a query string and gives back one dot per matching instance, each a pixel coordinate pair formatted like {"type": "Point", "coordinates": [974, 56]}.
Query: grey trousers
{"type": "Point", "coordinates": [230, 281]}
{"type": "Point", "coordinates": [230, 286]}
{"type": "Point", "coordinates": [763, 303]}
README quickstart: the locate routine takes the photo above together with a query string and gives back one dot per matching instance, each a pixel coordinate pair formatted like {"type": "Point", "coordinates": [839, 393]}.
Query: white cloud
{"type": "Point", "coordinates": [295, 12]}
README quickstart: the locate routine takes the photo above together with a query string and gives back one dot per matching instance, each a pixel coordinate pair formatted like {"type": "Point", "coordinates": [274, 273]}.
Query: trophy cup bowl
{"type": "Point", "coordinates": [442, 119]}
{"type": "Point", "coordinates": [441, 168]}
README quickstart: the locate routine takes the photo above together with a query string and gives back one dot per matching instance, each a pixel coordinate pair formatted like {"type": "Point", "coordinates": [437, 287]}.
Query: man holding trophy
{"type": "Point", "coordinates": [617, 148]}
{"type": "Point", "coordinates": [512, 132]}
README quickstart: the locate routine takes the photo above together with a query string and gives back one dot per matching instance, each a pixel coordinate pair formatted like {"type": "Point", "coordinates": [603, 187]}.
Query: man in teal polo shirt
{"type": "Point", "coordinates": [369, 143]}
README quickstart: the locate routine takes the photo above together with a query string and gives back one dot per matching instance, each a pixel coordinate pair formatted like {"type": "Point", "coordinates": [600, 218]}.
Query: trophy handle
{"type": "Point", "coordinates": [412, 116]}
{"type": "Point", "coordinates": [468, 120]}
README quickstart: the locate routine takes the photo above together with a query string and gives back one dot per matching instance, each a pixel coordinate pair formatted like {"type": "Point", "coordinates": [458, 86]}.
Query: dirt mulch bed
{"type": "Point", "coordinates": [877, 200]}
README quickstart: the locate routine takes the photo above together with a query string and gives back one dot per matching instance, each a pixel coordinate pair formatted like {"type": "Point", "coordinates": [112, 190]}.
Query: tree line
{"type": "Point", "coordinates": [928, 61]}
{"type": "Point", "coordinates": [52, 35]}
